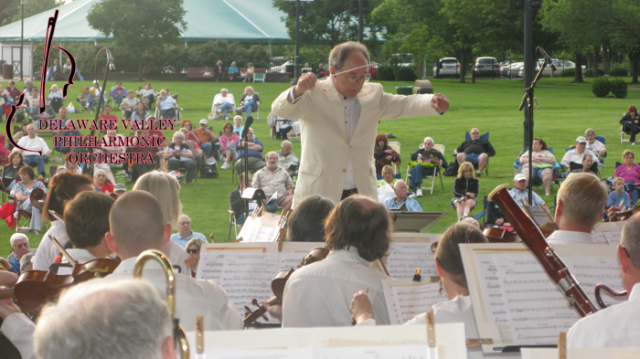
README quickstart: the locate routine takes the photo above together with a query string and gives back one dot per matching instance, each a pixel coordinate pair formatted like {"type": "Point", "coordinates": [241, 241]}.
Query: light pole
{"type": "Point", "coordinates": [296, 69]}
{"type": "Point", "coordinates": [22, 43]}
{"type": "Point", "coordinates": [360, 24]}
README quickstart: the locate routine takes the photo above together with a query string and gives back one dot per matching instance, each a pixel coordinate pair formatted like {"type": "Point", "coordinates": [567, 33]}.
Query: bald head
{"type": "Point", "coordinates": [136, 223]}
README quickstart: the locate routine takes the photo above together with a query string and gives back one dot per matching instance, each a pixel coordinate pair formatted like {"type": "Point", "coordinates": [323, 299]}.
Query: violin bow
{"type": "Point", "coordinates": [63, 251]}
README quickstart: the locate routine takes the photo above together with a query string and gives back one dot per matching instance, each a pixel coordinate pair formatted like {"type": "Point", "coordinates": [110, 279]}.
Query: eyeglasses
{"type": "Point", "coordinates": [184, 223]}
{"type": "Point", "coordinates": [192, 251]}
{"type": "Point", "coordinates": [26, 245]}
{"type": "Point", "coordinates": [355, 79]}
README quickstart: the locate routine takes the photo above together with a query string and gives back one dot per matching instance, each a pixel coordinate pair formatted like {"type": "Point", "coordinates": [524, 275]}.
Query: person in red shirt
{"type": "Point", "coordinates": [100, 182]}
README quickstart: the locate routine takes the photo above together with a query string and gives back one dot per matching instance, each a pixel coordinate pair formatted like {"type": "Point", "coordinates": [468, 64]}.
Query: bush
{"type": "Point", "coordinates": [407, 74]}
{"type": "Point", "coordinates": [619, 88]}
{"type": "Point", "coordinates": [568, 73]}
{"type": "Point", "coordinates": [385, 73]}
{"type": "Point", "coordinates": [619, 72]}
{"type": "Point", "coordinates": [601, 87]}
{"type": "Point", "coordinates": [591, 73]}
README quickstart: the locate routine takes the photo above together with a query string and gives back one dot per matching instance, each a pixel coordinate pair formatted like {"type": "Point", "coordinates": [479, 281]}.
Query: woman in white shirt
{"type": "Point", "coordinates": [543, 162]}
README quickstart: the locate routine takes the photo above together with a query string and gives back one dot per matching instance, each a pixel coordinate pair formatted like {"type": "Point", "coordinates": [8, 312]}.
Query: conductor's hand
{"type": "Point", "coordinates": [440, 102]}
{"type": "Point", "coordinates": [361, 308]}
{"type": "Point", "coordinates": [306, 82]}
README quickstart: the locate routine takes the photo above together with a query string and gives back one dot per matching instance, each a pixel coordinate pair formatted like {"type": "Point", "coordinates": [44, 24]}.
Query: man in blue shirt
{"type": "Point", "coordinates": [185, 234]}
{"type": "Point", "coordinates": [520, 193]}
{"type": "Point", "coordinates": [20, 247]}
{"type": "Point", "coordinates": [401, 202]}
{"type": "Point", "coordinates": [167, 105]}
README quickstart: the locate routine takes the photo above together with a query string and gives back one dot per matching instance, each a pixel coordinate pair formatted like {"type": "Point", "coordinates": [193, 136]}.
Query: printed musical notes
{"type": "Point", "coordinates": [404, 258]}
{"type": "Point", "coordinates": [406, 299]}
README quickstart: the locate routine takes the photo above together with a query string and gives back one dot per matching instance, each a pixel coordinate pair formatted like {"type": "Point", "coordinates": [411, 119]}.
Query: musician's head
{"type": "Point", "coordinates": [86, 219]}
{"type": "Point", "coordinates": [136, 224]}
{"type": "Point", "coordinates": [166, 189]}
{"type": "Point", "coordinates": [629, 252]}
{"type": "Point", "coordinates": [362, 223]}
{"type": "Point", "coordinates": [63, 188]}
{"type": "Point", "coordinates": [581, 201]}
{"type": "Point", "coordinates": [123, 318]}
{"type": "Point", "coordinates": [306, 223]}
{"type": "Point", "coordinates": [449, 259]}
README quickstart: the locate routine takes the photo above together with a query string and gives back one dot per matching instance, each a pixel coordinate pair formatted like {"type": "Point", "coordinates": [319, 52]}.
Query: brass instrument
{"type": "Point", "coordinates": [179, 336]}
{"type": "Point", "coordinates": [601, 287]}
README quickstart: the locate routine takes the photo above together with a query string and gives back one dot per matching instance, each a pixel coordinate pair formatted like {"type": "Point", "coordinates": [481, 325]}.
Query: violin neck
{"type": "Point", "coordinates": [6, 293]}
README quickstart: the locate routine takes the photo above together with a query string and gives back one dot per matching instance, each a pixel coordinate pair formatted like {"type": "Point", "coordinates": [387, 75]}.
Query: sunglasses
{"type": "Point", "coordinates": [192, 251]}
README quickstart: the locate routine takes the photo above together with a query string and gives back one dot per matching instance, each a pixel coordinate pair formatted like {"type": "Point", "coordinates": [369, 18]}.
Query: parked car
{"type": "Point", "coordinates": [560, 66]}
{"type": "Point", "coordinates": [506, 66]}
{"type": "Point", "coordinates": [448, 66]}
{"type": "Point", "coordinates": [281, 68]}
{"type": "Point", "coordinates": [486, 66]}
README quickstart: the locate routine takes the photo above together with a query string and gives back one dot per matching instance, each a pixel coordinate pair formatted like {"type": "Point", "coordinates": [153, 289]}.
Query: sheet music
{"type": "Point", "coordinates": [404, 258]}
{"type": "Point", "coordinates": [290, 260]}
{"type": "Point", "coordinates": [590, 271]}
{"type": "Point", "coordinates": [261, 229]}
{"type": "Point", "coordinates": [539, 214]}
{"type": "Point", "coordinates": [375, 352]}
{"type": "Point", "coordinates": [611, 238]}
{"type": "Point", "coordinates": [249, 228]}
{"type": "Point", "coordinates": [406, 299]}
{"type": "Point", "coordinates": [232, 353]}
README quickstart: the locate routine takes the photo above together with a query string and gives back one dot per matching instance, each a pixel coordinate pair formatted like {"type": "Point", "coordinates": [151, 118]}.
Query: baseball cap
{"type": "Point", "coordinates": [581, 139]}
{"type": "Point", "coordinates": [120, 187]}
{"type": "Point", "coordinates": [519, 177]}
{"type": "Point", "coordinates": [204, 122]}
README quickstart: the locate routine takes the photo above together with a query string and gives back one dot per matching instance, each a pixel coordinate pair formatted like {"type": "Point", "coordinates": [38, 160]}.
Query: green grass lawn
{"type": "Point", "coordinates": [566, 110]}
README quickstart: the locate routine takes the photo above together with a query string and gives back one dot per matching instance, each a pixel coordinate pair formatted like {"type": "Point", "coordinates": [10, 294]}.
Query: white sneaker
{"type": "Point", "coordinates": [633, 143]}
{"type": "Point", "coordinates": [224, 166]}
{"type": "Point", "coordinates": [411, 195]}
{"type": "Point", "coordinates": [419, 192]}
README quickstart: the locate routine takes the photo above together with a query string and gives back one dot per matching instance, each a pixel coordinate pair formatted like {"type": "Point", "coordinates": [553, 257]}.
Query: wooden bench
{"type": "Point", "coordinates": [200, 72]}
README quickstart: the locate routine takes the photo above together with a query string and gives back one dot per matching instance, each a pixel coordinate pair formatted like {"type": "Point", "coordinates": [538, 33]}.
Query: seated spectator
{"type": "Point", "coordinates": [283, 127]}
{"type": "Point", "coordinates": [185, 234]}
{"type": "Point", "coordinates": [179, 155]}
{"type": "Point", "coordinates": [55, 98]}
{"type": "Point", "coordinates": [129, 104]}
{"type": "Point", "coordinates": [476, 150]}
{"type": "Point", "coordinates": [306, 222]}
{"type": "Point", "coordinates": [206, 138]}
{"type": "Point", "coordinates": [100, 182]}
{"type": "Point", "coordinates": [22, 190]}
{"type": "Point", "coordinates": [167, 105]}
{"type": "Point", "coordinates": [87, 99]}
{"type": "Point", "coordinates": [383, 153]}
{"type": "Point", "coordinates": [254, 148]}
{"type": "Point", "coordinates": [388, 177]}
{"type": "Point", "coordinates": [594, 145]}
{"type": "Point", "coordinates": [618, 199]}
{"type": "Point", "coordinates": [140, 114]}
{"type": "Point", "coordinates": [96, 91]}
{"type": "Point", "coordinates": [19, 248]}
{"type": "Point", "coordinates": [233, 71]}
{"type": "Point", "coordinates": [10, 172]}
{"type": "Point", "coordinates": [119, 189]}
{"type": "Point", "coordinates": [495, 217]}
{"type": "Point", "coordinates": [237, 125]}
{"type": "Point", "coordinates": [287, 159]}
{"type": "Point", "coordinates": [13, 91]}
{"type": "Point", "coordinates": [631, 123]}
{"type": "Point", "coordinates": [55, 73]}
{"type": "Point", "coordinates": [307, 68]}
{"type": "Point", "coordinates": [197, 151]}
{"type": "Point", "coordinates": [543, 162]}
{"type": "Point", "coordinates": [28, 87]}
{"type": "Point", "coordinates": [249, 101]}
{"type": "Point", "coordinates": [193, 251]}
{"type": "Point", "coordinates": [401, 202]}
{"type": "Point", "coordinates": [118, 93]}
{"type": "Point", "coordinates": [86, 220]}
{"type": "Point", "coordinates": [32, 102]}
{"type": "Point", "coordinates": [26, 262]}
{"type": "Point", "coordinates": [147, 104]}
{"type": "Point", "coordinates": [465, 189]}
{"type": "Point", "coordinates": [223, 103]}
{"type": "Point", "coordinates": [218, 71]}
{"type": "Point", "coordinates": [228, 141]}
{"type": "Point", "coordinates": [575, 155]}
{"type": "Point", "coordinates": [237, 204]}
{"type": "Point", "coordinates": [587, 166]}
{"type": "Point", "coordinates": [66, 69]}
{"type": "Point", "coordinates": [248, 76]}
{"type": "Point", "coordinates": [321, 72]}
{"type": "Point", "coordinates": [62, 116]}
{"type": "Point", "coordinates": [106, 115]}
{"type": "Point", "coordinates": [520, 194]}
{"type": "Point", "coordinates": [148, 93]}
{"type": "Point", "coordinates": [427, 159]}
{"type": "Point", "coordinates": [630, 172]}
{"type": "Point", "coordinates": [70, 166]}
{"type": "Point", "coordinates": [35, 143]}
{"type": "Point", "coordinates": [272, 179]}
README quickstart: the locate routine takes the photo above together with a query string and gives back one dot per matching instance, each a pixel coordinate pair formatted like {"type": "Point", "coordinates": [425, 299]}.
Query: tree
{"type": "Point", "coordinates": [139, 27]}
{"type": "Point", "coordinates": [11, 10]}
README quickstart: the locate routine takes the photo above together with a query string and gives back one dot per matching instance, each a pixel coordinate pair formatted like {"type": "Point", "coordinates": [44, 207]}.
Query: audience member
{"type": "Point", "coordinates": [273, 179]}
{"type": "Point", "coordinates": [179, 155]}
{"type": "Point", "coordinates": [129, 104]}
{"type": "Point", "coordinates": [427, 160]}
{"type": "Point", "coordinates": [307, 68]}
{"type": "Point", "coordinates": [193, 251]}
{"type": "Point", "coordinates": [86, 99]}
{"type": "Point", "coordinates": [388, 177]}
{"type": "Point", "coordinates": [28, 87]}
{"type": "Point", "coordinates": [66, 133]}
{"type": "Point", "coordinates": [19, 248]}
{"type": "Point", "coordinates": [35, 143]}
{"type": "Point", "coordinates": [248, 76]}
{"type": "Point", "coordinates": [119, 189]}
{"type": "Point", "coordinates": [55, 98]}
{"type": "Point", "coordinates": [13, 91]}
{"type": "Point", "coordinates": [237, 125]}
{"type": "Point", "coordinates": [249, 101]}
{"type": "Point", "coordinates": [222, 103]}
{"type": "Point", "coordinates": [318, 295]}
{"type": "Point", "coordinates": [465, 189]}
{"type": "Point", "coordinates": [630, 172]}
{"type": "Point", "coordinates": [594, 145]}
{"type": "Point", "coordinates": [148, 93]}
{"type": "Point", "coordinates": [321, 72]}
{"type": "Point", "coordinates": [587, 166]}
{"type": "Point", "coordinates": [616, 326]}
{"type": "Point", "coordinates": [543, 162]}
{"type": "Point", "coordinates": [10, 172]}
{"type": "Point", "coordinates": [233, 71]}
{"type": "Point", "coordinates": [118, 93]}
{"type": "Point", "coordinates": [185, 234]}
{"type": "Point", "coordinates": [306, 223]}
{"type": "Point", "coordinates": [206, 137]}
{"type": "Point", "coordinates": [254, 148]}
{"type": "Point", "coordinates": [287, 159]}
{"type": "Point", "coordinates": [476, 150]}
{"type": "Point", "coordinates": [26, 262]}
{"type": "Point", "coordinates": [579, 207]}
{"type": "Point", "coordinates": [140, 114]}
{"type": "Point", "coordinates": [618, 199]}
{"type": "Point", "coordinates": [100, 182]}
{"type": "Point", "coordinates": [87, 220]}
{"type": "Point", "coordinates": [575, 155]}
{"type": "Point", "coordinates": [383, 153]}
{"type": "Point", "coordinates": [62, 189]}
{"type": "Point", "coordinates": [218, 71]}
{"type": "Point", "coordinates": [228, 141]}
{"type": "Point", "coordinates": [106, 115]}
{"type": "Point", "coordinates": [22, 190]}
{"type": "Point", "coordinates": [237, 204]}
{"type": "Point", "coordinates": [140, 169]}
{"type": "Point", "coordinates": [128, 238]}
{"type": "Point", "coordinates": [631, 123]}
{"type": "Point", "coordinates": [401, 202]}
{"type": "Point", "coordinates": [520, 193]}
{"type": "Point", "coordinates": [495, 217]}
{"type": "Point", "coordinates": [62, 117]}
{"type": "Point", "coordinates": [167, 105]}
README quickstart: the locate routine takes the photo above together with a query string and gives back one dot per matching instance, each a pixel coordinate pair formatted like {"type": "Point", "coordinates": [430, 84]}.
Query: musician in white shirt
{"type": "Point", "coordinates": [617, 326]}
{"type": "Point", "coordinates": [580, 206]}
{"type": "Point", "coordinates": [453, 280]}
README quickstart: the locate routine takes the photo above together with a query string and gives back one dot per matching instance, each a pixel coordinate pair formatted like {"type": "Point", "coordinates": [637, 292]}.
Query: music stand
{"type": "Point", "coordinates": [405, 221]}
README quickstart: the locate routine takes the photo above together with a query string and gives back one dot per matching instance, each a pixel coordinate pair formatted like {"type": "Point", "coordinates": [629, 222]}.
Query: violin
{"type": "Point", "coordinates": [624, 215]}
{"type": "Point", "coordinates": [37, 198]}
{"type": "Point", "coordinates": [278, 283]}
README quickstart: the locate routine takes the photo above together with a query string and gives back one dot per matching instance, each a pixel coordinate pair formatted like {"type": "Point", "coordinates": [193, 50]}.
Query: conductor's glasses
{"type": "Point", "coordinates": [353, 79]}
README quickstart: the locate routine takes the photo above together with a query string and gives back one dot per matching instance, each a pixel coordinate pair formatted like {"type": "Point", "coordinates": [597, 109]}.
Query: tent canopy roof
{"type": "Point", "coordinates": [254, 21]}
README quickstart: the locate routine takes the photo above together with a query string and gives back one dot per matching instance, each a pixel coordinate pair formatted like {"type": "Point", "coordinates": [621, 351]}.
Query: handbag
{"type": "Point", "coordinates": [7, 209]}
